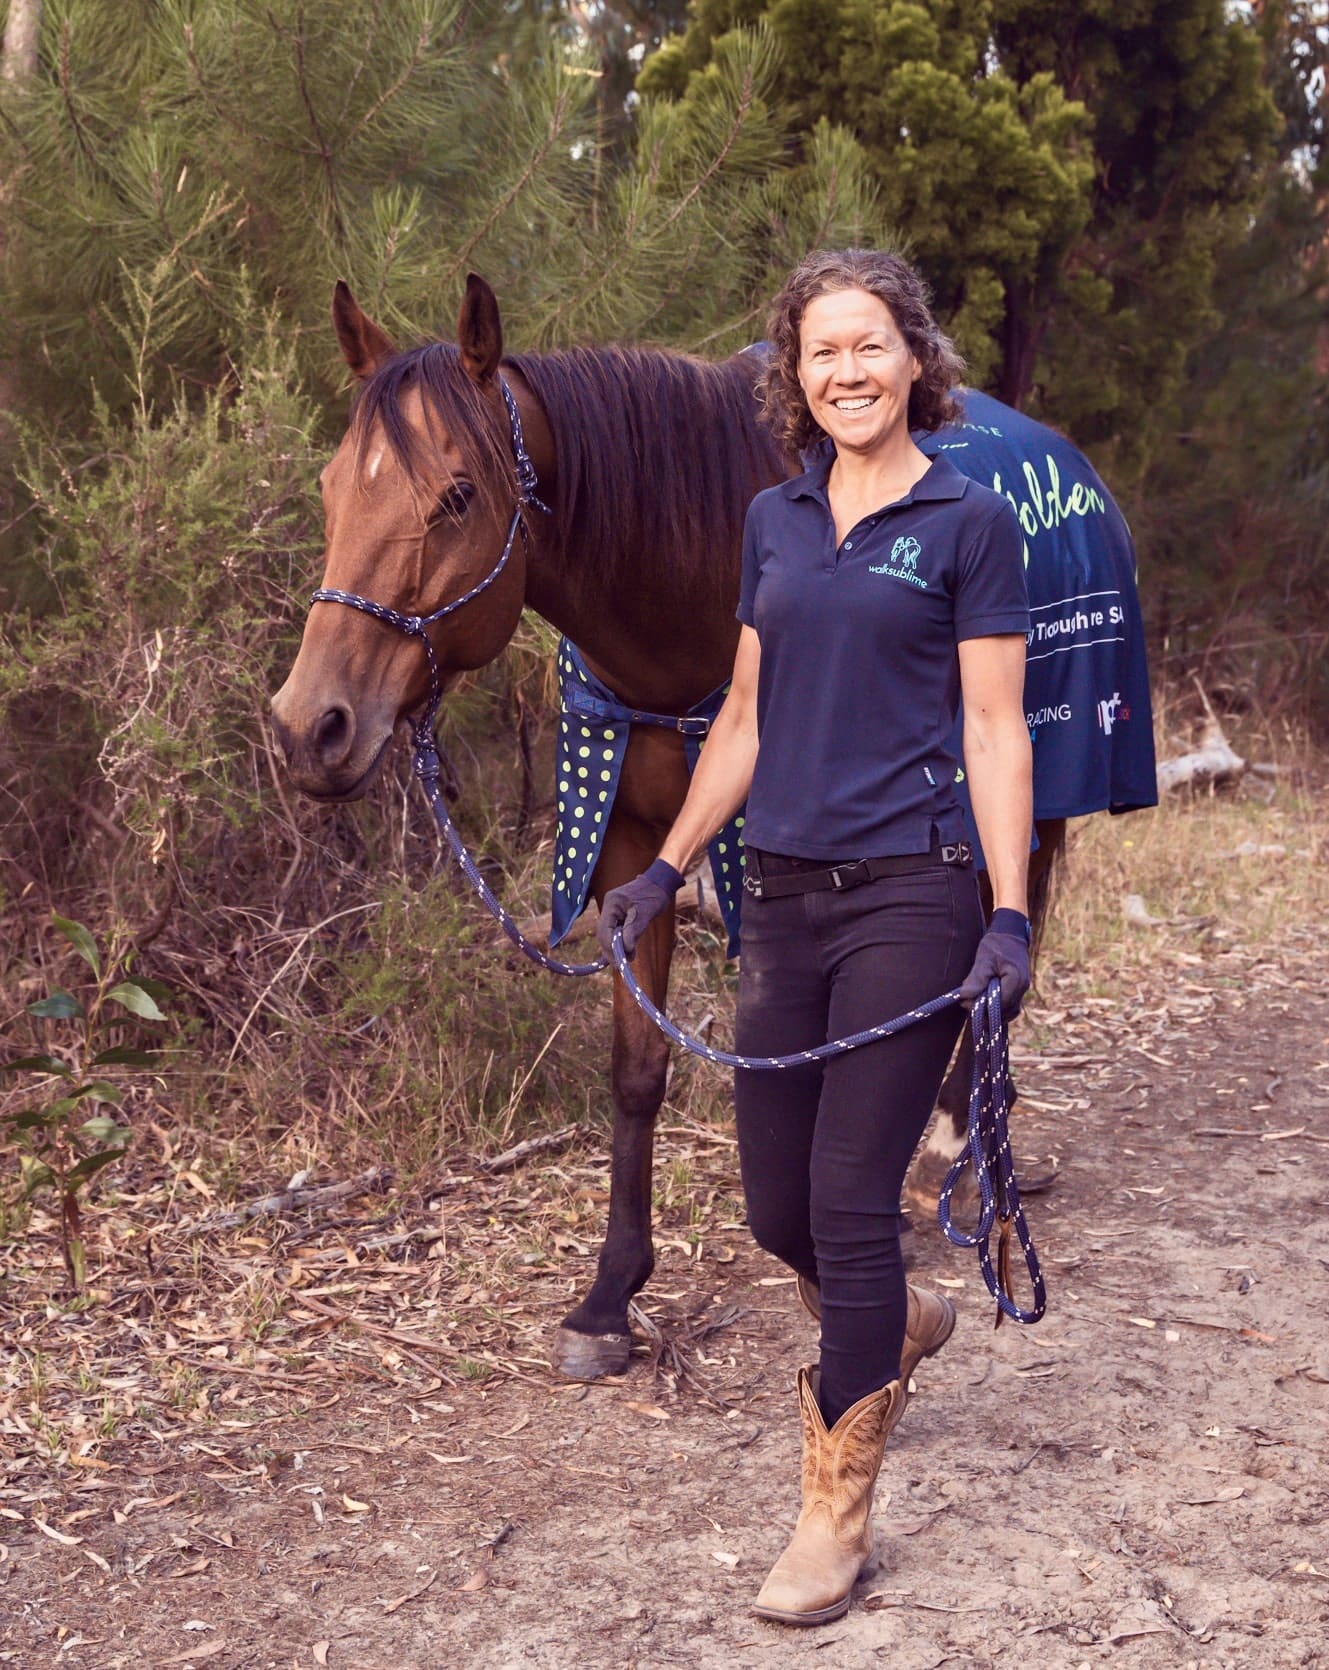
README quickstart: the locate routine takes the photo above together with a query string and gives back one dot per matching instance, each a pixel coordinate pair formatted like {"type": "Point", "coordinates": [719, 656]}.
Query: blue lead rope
{"type": "Point", "coordinates": [988, 1151]}
{"type": "Point", "coordinates": [988, 1148]}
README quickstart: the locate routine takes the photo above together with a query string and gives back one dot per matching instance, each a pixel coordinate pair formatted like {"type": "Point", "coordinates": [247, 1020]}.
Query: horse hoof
{"type": "Point", "coordinates": [589, 1356]}
{"type": "Point", "coordinates": [923, 1185]}
{"type": "Point", "coordinates": [1036, 1176]}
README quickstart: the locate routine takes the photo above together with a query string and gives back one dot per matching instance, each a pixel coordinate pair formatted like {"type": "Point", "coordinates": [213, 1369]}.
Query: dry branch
{"type": "Point", "coordinates": [1213, 762]}
{"type": "Point", "coordinates": [374, 1181]}
{"type": "Point", "coordinates": [551, 1143]}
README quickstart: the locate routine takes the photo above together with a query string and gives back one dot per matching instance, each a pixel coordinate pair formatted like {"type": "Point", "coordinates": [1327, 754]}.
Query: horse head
{"type": "Point", "coordinates": [421, 501]}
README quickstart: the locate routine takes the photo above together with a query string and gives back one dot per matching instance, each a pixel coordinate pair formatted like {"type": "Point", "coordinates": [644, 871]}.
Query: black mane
{"type": "Point", "coordinates": [658, 455]}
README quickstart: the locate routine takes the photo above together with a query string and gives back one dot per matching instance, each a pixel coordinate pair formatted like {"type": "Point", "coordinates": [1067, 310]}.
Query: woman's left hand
{"type": "Point", "coordinates": [1003, 954]}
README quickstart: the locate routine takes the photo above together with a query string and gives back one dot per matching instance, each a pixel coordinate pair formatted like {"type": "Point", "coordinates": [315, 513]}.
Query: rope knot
{"type": "Point", "coordinates": [426, 763]}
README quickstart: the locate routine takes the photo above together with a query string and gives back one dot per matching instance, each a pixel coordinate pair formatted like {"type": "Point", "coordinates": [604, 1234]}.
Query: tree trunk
{"type": "Point", "coordinates": [22, 31]}
{"type": "Point", "coordinates": [18, 64]}
{"type": "Point", "coordinates": [1021, 335]}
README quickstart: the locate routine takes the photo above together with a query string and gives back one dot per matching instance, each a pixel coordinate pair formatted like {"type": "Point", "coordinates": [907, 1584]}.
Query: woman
{"type": "Point", "coordinates": [877, 588]}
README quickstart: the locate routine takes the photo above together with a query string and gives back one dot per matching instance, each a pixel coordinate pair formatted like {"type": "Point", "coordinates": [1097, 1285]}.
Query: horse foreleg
{"type": "Point", "coordinates": [594, 1339]}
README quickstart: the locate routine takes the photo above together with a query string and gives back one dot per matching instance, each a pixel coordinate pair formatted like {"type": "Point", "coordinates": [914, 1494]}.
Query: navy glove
{"type": "Point", "coordinates": [1003, 954]}
{"type": "Point", "coordinates": [635, 905]}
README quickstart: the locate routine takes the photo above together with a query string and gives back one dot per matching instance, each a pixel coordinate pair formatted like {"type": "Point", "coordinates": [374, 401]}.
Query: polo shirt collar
{"type": "Point", "coordinates": [942, 481]}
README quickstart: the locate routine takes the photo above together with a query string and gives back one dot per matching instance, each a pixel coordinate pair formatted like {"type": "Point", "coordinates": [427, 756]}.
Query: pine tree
{"type": "Point", "coordinates": [18, 62]}
{"type": "Point", "coordinates": [986, 179]}
{"type": "Point", "coordinates": [173, 158]}
{"type": "Point", "coordinates": [1183, 125]}
{"type": "Point", "coordinates": [1067, 175]}
{"type": "Point", "coordinates": [187, 180]}
{"type": "Point", "coordinates": [1234, 503]}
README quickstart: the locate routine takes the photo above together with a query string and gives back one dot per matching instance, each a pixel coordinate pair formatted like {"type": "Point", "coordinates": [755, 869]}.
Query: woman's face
{"type": "Point", "coordinates": [855, 370]}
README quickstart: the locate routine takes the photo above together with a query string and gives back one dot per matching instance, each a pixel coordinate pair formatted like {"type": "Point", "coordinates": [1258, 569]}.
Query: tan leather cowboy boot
{"type": "Point", "coordinates": [812, 1580]}
{"type": "Point", "coordinates": [929, 1324]}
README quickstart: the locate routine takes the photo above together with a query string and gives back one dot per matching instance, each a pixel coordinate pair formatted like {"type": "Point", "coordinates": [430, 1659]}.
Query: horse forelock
{"type": "Point", "coordinates": [658, 456]}
{"type": "Point", "coordinates": [453, 407]}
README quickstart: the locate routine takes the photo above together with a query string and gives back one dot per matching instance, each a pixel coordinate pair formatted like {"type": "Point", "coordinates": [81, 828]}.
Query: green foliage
{"type": "Point", "coordinates": [466, 1040]}
{"type": "Point", "coordinates": [1066, 176]}
{"type": "Point", "coordinates": [63, 1142]}
{"type": "Point", "coordinates": [1233, 505]}
{"type": "Point", "coordinates": [173, 544]}
{"type": "Point", "coordinates": [219, 152]}
{"type": "Point", "coordinates": [183, 182]}
{"type": "Point", "coordinates": [1183, 126]}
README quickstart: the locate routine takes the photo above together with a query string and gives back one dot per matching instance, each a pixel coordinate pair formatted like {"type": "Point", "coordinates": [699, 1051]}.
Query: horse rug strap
{"type": "Point", "coordinates": [594, 725]}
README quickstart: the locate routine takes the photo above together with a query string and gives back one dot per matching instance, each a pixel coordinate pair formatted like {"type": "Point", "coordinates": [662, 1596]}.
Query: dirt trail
{"type": "Point", "coordinates": [1139, 1480]}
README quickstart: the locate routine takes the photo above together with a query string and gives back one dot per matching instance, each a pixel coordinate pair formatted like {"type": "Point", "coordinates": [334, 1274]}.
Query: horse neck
{"type": "Point", "coordinates": [650, 641]}
{"type": "Point", "coordinates": [656, 657]}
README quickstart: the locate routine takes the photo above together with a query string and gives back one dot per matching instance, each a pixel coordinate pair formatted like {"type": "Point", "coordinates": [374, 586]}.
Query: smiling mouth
{"type": "Point", "coordinates": [859, 403]}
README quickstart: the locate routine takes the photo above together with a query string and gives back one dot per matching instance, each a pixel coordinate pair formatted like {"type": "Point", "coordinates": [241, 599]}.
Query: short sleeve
{"type": "Point", "coordinates": [990, 592]}
{"type": "Point", "coordinates": [747, 590]}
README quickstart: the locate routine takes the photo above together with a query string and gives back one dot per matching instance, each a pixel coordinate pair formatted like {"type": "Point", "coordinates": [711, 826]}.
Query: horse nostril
{"type": "Point", "coordinates": [333, 733]}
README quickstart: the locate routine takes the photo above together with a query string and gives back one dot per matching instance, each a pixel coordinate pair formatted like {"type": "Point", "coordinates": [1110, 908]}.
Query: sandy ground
{"type": "Point", "coordinates": [1140, 1480]}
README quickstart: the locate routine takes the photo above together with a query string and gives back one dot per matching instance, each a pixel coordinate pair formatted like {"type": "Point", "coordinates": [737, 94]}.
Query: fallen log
{"type": "Point", "coordinates": [1214, 761]}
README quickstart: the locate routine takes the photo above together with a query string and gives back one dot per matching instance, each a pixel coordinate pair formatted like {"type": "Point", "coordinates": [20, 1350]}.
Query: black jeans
{"type": "Point", "coordinates": [824, 1148]}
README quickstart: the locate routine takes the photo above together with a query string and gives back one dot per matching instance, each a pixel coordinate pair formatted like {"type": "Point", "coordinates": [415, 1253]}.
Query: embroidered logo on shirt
{"type": "Point", "coordinates": [904, 562]}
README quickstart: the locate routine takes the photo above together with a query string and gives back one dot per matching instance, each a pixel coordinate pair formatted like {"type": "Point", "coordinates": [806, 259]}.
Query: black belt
{"type": "Point", "coordinates": [842, 878]}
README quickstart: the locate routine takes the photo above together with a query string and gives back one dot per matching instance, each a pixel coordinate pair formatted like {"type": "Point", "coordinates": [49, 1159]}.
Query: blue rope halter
{"type": "Point", "coordinates": [415, 625]}
{"type": "Point", "coordinates": [988, 1148]}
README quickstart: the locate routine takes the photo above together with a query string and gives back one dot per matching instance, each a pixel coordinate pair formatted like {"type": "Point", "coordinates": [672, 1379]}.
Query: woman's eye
{"type": "Point", "coordinates": [453, 500]}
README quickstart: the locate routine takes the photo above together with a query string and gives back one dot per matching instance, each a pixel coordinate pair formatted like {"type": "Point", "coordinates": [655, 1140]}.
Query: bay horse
{"type": "Point", "coordinates": [646, 460]}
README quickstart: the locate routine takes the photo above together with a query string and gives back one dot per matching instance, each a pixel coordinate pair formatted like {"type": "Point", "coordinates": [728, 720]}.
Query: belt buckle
{"type": "Point", "coordinates": [843, 877]}
{"type": "Point", "coordinates": [751, 882]}
{"type": "Point", "coordinates": [957, 852]}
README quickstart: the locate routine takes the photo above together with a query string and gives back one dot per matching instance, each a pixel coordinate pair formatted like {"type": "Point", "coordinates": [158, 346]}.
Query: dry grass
{"type": "Point", "coordinates": [1240, 865]}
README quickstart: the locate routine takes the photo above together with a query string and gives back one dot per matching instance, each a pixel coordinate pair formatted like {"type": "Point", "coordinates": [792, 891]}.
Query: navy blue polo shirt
{"type": "Point", "coordinates": [860, 677]}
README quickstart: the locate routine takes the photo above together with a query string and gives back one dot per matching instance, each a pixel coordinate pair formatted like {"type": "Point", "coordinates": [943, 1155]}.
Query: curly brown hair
{"type": "Point", "coordinates": [892, 281]}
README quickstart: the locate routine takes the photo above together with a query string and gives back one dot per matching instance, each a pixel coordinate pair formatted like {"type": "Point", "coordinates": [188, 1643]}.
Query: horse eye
{"type": "Point", "coordinates": [454, 499]}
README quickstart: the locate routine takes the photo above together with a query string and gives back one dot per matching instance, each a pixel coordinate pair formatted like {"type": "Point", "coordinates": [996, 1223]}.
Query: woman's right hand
{"type": "Point", "coordinates": [719, 787]}
{"type": "Point", "coordinates": [635, 905]}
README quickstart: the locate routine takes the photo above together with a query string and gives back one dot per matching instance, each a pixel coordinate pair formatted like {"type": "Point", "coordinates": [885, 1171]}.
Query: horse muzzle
{"type": "Point", "coordinates": [331, 753]}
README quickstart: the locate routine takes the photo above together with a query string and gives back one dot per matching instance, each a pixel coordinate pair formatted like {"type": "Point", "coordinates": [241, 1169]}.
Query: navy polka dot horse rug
{"type": "Point", "coordinates": [592, 740]}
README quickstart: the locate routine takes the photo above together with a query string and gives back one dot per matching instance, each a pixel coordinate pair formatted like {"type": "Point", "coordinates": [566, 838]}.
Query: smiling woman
{"type": "Point", "coordinates": [876, 588]}
{"type": "Point", "coordinates": [829, 296]}
{"type": "Point", "coordinates": [856, 371]}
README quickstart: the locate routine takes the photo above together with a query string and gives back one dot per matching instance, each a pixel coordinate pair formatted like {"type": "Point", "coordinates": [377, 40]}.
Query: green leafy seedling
{"type": "Point", "coordinates": [63, 1142]}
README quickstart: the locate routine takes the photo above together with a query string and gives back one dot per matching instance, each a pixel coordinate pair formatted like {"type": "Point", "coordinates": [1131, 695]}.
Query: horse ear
{"type": "Point", "coordinates": [364, 346]}
{"type": "Point", "coordinates": [480, 330]}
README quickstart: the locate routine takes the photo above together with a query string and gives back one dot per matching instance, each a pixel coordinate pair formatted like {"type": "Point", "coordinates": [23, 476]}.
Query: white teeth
{"type": "Point", "coordinates": [854, 405]}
